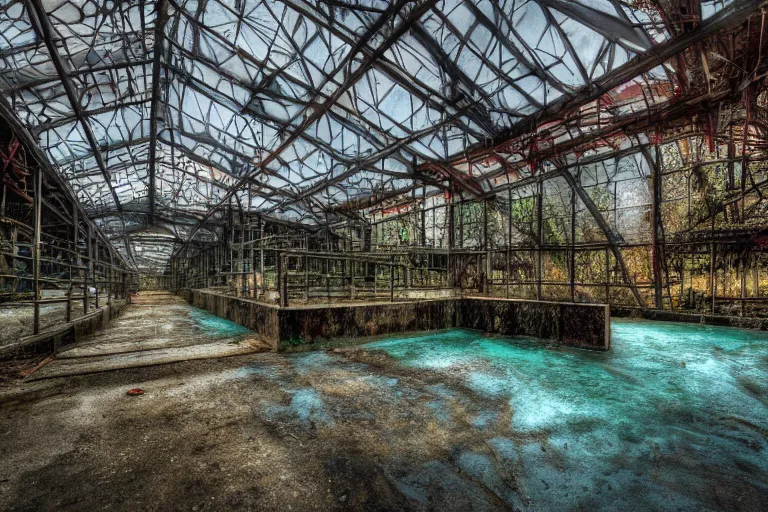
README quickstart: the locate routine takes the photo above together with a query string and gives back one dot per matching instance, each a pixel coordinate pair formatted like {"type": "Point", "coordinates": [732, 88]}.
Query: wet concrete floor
{"type": "Point", "coordinates": [674, 418]}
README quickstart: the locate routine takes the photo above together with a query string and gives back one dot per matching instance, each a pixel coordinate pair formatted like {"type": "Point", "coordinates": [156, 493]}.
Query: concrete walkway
{"type": "Point", "coordinates": [157, 328]}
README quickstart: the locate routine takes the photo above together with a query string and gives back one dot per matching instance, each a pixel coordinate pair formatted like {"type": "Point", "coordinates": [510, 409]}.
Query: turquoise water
{"type": "Point", "coordinates": [675, 416]}
{"type": "Point", "coordinates": [214, 326]}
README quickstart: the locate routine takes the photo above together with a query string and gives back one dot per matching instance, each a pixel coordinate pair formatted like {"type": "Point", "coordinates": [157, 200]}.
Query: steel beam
{"type": "Point", "coordinates": [613, 239]}
{"type": "Point", "coordinates": [154, 119]}
{"type": "Point", "coordinates": [728, 17]}
{"type": "Point", "coordinates": [39, 19]}
{"type": "Point", "coordinates": [314, 114]}
{"type": "Point", "coordinates": [32, 145]}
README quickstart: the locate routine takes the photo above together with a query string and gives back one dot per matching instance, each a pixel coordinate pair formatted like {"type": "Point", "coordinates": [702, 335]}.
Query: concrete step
{"type": "Point", "coordinates": [68, 367]}
{"type": "Point", "coordinates": [156, 298]}
{"type": "Point", "coordinates": [161, 329]}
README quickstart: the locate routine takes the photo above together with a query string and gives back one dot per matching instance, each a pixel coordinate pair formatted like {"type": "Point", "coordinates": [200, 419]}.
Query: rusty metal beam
{"type": "Point", "coordinates": [161, 18]}
{"type": "Point", "coordinates": [613, 239]}
{"type": "Point", "coordinates": [729, 17]}
{"type": "Point", "coordinates": [627, 125]}
{"type": "Point", "coordinates": [371, 200]}
{"type": "Point", "coordinates": [314, 114]}
{"type": "Point", "coordinates": [9, 117]}
{"type": "Point", "coordinates": [460, 180]}
{"type": "Point", "coordinates": [42, 25]}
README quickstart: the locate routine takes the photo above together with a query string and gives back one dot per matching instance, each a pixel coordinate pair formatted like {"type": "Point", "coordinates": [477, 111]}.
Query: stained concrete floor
{"type": "Point", "coordinates": [157, 328]}
{"type": "Point", "coordinates": [673, 419]}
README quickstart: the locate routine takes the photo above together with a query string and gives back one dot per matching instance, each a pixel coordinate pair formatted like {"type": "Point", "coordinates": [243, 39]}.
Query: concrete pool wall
{"type": "Point", "coordinates": [739, 322]}
{"type": "Point", "coordinates": [577, 325]}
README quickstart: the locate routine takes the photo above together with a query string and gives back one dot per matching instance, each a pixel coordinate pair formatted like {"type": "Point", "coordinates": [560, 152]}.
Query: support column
{"type": "Point", "coordinates": [539, 237]}
{"type": "Point", "coordinates": [4, 192]}
{"type": "Point", "coordinates": [423, 215]}
{"type": "Point", "coordinates": [392, 279]}
{"type": "Point", "coordinates": [572, 269]}
{"type": "Point", "coordinates": [75, 255]}
{"type": "Point", "coordinates": [487, 249]}
{"type": "Point", "coordinates": [712, 262]}
{"type": "Point", "coordinates": [69, 304]}
{"type": "Point", "coordinates": [95, 272]}
{"type": "Point", "coordinates": [109, 280]}
{"type": "Point", "coordinates": [509, 241]}
{"type": "Point", "coordinates": [755, 276]}
{"type": "Point", "coordinates": [261, 255]}
{"type": "Point", "coordinates": [37, 183]}
{"type": "Point", "coordinates": [306, 277]}
{"type": "Point", "coordinates": [743, 284]}
{"type": "Point", "coordinates": [607, 276]}
{"type": "Point", "coordinates": [451, 242]}
{"type": "Point", "coordinates": [87, 269]}
{"type": "Point", "coordinates": [282, 278]}
{"type": "Point", "coordinates": [656, 254]}
{"type": "Point", "coordinates": [241, 264]}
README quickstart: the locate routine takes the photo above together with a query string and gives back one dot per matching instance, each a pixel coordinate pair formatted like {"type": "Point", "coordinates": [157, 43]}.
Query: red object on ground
{"type": "Point", "coordinates": [135, 392]}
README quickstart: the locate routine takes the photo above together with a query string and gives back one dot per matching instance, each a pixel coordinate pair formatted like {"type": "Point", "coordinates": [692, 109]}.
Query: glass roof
{"type": "Point", "coordinates": [157, 112]}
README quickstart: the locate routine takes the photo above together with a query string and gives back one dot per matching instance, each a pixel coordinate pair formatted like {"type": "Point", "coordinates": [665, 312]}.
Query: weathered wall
{"type": "Point", "coordinates": [257, 316]}
{"type": "Point", "coordinates": [578, 325]}
{"type": "Point", "coordinates": [742, 322]}
{"type": "Point", "coordinates": [302, 325]}
{"type": "Point", "coordinates": [52, 339]}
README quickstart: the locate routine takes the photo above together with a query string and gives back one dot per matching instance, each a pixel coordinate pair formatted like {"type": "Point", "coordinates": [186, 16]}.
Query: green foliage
{"type": "Point", "coordinates": [522, 210]}
{"type": "Point", "coordinates": [472, 219]}
{"type": "Point", "coordinates": [601, 197]}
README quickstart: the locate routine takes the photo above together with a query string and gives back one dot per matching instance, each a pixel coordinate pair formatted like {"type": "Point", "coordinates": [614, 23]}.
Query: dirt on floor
{"type": "Point", "coordinates": [11, 371]}
{"type": "Point", "coordinates": [262, 432]}
{"type": "Point", "coordinates": [344, 429]}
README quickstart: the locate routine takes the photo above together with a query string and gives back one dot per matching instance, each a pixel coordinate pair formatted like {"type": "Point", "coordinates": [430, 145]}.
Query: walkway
{"type": "Point", "coordinates": [157, 328]}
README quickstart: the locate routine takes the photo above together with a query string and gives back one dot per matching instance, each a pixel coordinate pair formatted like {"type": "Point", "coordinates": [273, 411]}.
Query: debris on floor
{"type": "Point", "coordinates": [29, 371]}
